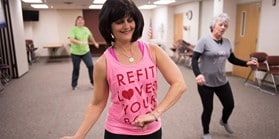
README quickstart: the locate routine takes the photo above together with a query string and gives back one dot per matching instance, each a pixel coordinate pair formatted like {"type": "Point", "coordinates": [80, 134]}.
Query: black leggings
{"type": "Point", "coordinates": [155, 135]}
{"type": "Point", "coordinates": [224, 94]}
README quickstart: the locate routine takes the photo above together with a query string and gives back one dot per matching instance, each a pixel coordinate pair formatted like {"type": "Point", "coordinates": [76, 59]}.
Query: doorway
{"type": "Point", "coordinates": [178, 27]}
{"type": "Point", "coordinates": [246, 34]}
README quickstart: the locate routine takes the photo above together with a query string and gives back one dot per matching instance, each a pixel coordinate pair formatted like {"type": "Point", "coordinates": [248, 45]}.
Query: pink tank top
{"type": "Point", "coordinates": [133, 92]}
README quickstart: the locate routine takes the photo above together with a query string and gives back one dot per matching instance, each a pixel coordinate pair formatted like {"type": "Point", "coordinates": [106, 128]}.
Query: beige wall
{"type": "Point", "coordinates": [268, 30]}
{"type": "Point", "coordinates": [52, 27]}
{"type": "Point", "coordinates": [58, 22]}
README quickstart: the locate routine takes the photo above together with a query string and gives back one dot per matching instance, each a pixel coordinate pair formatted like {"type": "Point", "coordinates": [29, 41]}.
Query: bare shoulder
{"type": "Point", "coordinates": [100, 64]}
{"type": "Point", "coordinates": [153, 47]}
{"type": "Point", "coordinates": [157, 51]}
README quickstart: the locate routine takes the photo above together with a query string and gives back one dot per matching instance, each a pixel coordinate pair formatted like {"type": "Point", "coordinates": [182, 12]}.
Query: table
{"type": "Point", "coordinates": [53, 48]}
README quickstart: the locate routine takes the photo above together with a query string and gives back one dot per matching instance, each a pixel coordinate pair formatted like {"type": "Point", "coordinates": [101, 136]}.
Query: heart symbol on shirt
{"type": "Point", "coordinates": [128, 94]}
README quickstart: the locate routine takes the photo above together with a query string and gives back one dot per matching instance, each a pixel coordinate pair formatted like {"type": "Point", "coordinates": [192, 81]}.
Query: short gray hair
{"type": "Point", "coordinates": [220, 17]}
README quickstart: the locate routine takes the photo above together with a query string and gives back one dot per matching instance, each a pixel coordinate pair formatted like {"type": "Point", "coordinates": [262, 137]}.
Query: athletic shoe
{"type": "Point", "coordinates": [227, 127]}
{"type": "Point", "coordinates": [206, 136]}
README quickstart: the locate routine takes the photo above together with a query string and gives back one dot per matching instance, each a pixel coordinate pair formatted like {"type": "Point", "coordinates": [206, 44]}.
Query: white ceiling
{"type": "Point", "coordinates": [84, 4]}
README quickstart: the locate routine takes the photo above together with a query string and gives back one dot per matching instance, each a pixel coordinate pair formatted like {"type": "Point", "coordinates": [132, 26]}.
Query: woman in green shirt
{"type": "Point", "coordinates": [79, 36]}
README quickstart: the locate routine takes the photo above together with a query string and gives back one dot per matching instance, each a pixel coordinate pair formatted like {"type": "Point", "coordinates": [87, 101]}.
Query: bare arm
{"type": "Point", "coordinates": [174, 77]}
{"type": "Point", "coordinates": [98, 103]}
{"type": "Point", "coordinates": [75, 41]}
{"type": "Point", "coordinates": [91, 39]}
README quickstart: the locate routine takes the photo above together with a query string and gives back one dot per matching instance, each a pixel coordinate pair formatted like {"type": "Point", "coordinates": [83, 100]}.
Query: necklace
{"type": "Point", "coordinates": [131, 58]}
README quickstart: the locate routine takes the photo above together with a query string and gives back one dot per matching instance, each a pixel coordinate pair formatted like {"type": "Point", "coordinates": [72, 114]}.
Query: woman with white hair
{"type": "Point", "coordinates": [208, 64]}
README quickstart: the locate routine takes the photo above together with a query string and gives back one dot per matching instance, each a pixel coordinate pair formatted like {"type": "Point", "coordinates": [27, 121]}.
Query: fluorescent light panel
{"type": "Point", "coordinates": [147, 7]}
{"type": "Point", "coordinates": [99, 1]}
{"type": "Point", "coordinates": [39, 6]}
{"type": "Point", "coordinates": [95, 6]}
{"type": "Point", "coordinates": [164, 2]}
{"type": "Point", "coordinates": [32, 1]}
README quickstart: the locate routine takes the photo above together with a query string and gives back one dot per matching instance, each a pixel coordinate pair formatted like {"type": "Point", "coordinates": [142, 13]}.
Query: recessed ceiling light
{"type": "Point", "coordinates": [95, 6]}
{"type": "Point", "coordinates": [39, 6]}
{"type": "Point", "coordinates": [99, 1]}
{"type": "Point", "coordinates": [147, 7]}
{"type": "Point", "coordinates": [32, 1]}
{"type": "Point", "coordinates": [164, 2]}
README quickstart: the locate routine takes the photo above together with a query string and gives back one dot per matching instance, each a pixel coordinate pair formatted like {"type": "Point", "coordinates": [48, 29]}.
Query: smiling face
{"type": "Point", "coordinates": [120, 20]}
{"type": "Point", "coordinates": [219, 28]}
{"type": "Point", "coordinates": [123, 29]}
{"type": "Point", "coordinates": [80, 21]}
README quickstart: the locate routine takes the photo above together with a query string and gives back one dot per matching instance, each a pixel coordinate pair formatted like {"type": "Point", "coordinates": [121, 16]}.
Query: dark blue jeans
{"type": "Point", "coordinates": [87, 59]}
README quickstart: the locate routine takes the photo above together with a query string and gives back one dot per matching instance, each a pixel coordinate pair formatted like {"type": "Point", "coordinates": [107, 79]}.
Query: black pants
{"type": "Point", "coordinates": [155, 135]}
{"type": "Point", "coordinates": [224, 94]}
{"type": "Point", "coordinates": [87, 59]}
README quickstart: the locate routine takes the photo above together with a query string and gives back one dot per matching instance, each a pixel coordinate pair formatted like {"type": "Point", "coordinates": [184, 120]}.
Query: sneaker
{"type": "Point", "coordinates": [206, 136]}
{"type": "Point", "coordinates": [74, 88]}
{"type": "Point", "coordinates": [227, 127]}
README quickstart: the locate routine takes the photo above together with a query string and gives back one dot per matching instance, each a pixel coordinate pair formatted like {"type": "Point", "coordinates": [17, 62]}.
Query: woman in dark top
{"type": "Point", "coordinates": [208, 64]}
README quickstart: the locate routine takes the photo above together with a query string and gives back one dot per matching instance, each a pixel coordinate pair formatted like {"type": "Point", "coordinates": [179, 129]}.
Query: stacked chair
{"type": "Point", "coordinates": [272, 64]}
{"type": "Point", "coordinates": [4, 76]}
{"type": "Point", "coordinates": [267, 64]}
{"type": "Point", "coordinates": [30, 49]}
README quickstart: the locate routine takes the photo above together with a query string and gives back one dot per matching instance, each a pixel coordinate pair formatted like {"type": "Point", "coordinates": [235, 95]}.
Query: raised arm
{"type": "Point", "coordinates": [92, 40]}
{"type": "Point", "coordinates": [236, 61]}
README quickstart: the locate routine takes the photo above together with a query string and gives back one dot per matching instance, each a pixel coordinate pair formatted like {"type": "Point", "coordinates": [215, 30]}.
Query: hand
{"type": "Point", "coordinates": [200, 80]}
{"type": "Point", "coordinates": [253, 63]}
{"type": "Point", "coordinates": [143, 120]}
{"type": "Point", "coordinates": [96, 45]}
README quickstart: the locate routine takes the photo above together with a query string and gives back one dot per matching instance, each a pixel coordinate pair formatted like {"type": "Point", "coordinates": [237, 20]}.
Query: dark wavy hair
{"type": "Point", "coordinates": [113, 10]}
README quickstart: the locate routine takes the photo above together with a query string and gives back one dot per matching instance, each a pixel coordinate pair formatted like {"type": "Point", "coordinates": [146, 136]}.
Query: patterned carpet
{"type": "Point", "coordinates": [41, 105]}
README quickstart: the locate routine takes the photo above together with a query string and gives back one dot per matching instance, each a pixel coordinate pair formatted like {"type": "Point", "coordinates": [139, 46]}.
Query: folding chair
{"type": "Point", "coordinates": [272, 63]}
{"type": "Point", "coordinates": [183, 50]}
{"type": "Point", "coordinates": [188, 55]}
{"type": "Point", "coordinates": [31, 56]}
{"type": "Point", "coordinates": [4, 76]}
{"type": "Point", "coordinates": [261, 58]}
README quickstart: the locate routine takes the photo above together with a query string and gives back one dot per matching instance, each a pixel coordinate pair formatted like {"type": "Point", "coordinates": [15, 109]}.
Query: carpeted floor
{"type": "Point", "coordinates": [41, 105]}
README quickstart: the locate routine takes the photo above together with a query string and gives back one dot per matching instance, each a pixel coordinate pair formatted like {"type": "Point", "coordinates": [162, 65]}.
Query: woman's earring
{"type": "Point", "coordinates": [112, 35]}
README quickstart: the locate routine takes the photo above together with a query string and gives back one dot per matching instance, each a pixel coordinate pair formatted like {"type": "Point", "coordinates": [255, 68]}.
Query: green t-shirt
{"type": "Point", "coordinates": [81, 34]}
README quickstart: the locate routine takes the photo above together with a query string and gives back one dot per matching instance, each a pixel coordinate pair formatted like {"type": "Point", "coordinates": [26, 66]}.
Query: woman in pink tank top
{"type": "Point", "coordinates": [127, 73]}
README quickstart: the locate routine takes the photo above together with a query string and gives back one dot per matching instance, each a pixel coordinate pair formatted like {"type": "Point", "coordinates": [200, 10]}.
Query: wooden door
{"type": "Point", "coordinates": [178, 27]}
{"type": "Point", "coordinates": [246, 35]}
